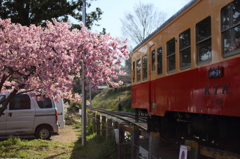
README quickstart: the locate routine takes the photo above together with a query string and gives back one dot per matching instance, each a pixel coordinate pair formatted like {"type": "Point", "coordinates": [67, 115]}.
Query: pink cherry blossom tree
{"type": "Point", "coordinates": [49, 59]}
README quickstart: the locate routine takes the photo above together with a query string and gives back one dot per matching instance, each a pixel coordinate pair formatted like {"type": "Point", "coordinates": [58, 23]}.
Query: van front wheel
{"type": "Point", "coordinates": [43, 132]}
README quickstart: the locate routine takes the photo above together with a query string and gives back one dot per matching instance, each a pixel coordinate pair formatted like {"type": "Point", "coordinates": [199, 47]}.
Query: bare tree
{"type": "Point", "coordinates": [136, 26]}
{"type": "Point", "coordinates": [127, 66]}
{"type": "Point", "coordinates": [143, 21]}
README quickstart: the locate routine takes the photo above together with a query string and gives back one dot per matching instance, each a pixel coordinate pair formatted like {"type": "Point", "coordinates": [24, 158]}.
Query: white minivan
{"type": "Point", "coordinates": [26, 116]}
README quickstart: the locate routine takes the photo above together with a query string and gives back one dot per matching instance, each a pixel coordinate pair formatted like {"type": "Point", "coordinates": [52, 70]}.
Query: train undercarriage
{"type": "Point", "coordinates": [218, 131]}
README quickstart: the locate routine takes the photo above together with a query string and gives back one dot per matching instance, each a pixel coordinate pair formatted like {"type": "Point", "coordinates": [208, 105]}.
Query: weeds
{"type": "Point", "coordinates": [90, 128]}
{"type": "Point", "coordinates": [108, 149]}
{"type": "Point", "coordinates": [11, 141]}
{"type": "Point", "coordinates": [78, 126]}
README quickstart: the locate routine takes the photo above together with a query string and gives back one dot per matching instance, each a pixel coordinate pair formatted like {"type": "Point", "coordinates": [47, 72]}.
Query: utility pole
{"type": "Point", "coordinates": [83, 84]}
{"type": "Point", "coordinates": [90, 96]}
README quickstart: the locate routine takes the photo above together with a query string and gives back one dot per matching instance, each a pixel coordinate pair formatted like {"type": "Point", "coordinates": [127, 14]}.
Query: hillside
{"type": "Point", "coordinates": [108, 98]}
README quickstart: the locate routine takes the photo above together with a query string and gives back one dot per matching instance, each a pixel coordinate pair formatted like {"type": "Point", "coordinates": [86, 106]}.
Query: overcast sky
{"type": "Point", "coordinates": [113, 10]}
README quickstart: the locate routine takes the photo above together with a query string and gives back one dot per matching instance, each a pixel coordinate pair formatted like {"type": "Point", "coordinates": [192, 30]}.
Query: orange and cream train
{"type": "Point", "coordinates": [186, 74]}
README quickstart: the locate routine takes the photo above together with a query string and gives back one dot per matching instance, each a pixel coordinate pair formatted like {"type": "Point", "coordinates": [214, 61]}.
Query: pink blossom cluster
{"type": "Point", "coordinates": [50, 58]}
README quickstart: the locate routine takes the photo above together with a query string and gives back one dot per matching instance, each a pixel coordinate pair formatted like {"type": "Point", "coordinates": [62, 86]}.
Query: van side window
{"type": "Point", "coordinates": [20, 102]}
{"type": "Point", "coordinates": [204, 44]}
{"type": "Point", "coordinates": [171, 63]}
{"type": "Point", "coordinates": [46, 103]}
{"type": "Point", "coordinates": [231, 29]}
{"type": "Point", "coordinates": [185, 50]}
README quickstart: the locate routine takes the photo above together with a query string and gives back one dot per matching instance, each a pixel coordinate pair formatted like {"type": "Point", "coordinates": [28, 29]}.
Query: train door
{"type": "Point", "coordinates": [152, 85]}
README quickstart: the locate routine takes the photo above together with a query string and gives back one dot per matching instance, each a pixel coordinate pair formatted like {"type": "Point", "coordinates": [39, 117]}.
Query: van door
{"type": "Point", "coordinates": [60, 109]}
{"type": "Point", "coordinates": [3, 120]}
{"type": "Point", "coordinates": [20, 115]}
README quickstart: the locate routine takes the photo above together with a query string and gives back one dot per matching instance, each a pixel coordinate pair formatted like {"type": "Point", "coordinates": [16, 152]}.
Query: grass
{"type": "Point", "coordinates": [97, 147]}
{"type": "Point", "coordinates": [17, 148]}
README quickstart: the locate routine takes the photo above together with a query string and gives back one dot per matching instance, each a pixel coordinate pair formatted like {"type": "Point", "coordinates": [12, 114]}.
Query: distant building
{"type": "Point", "coordinates": [126, 79]}
{"type": "Point", "coordinates": [103, 87]}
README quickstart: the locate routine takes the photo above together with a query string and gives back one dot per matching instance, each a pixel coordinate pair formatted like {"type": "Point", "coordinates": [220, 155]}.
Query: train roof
{"type": "Point", "coordinates": [166, 23]}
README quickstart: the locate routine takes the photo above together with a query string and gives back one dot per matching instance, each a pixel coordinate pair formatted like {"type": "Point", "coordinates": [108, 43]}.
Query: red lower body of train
{"type": "Point", "coordinates": [193, 102]}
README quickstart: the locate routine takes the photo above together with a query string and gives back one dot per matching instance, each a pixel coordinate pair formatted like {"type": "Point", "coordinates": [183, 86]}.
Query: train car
{"type": "Point", "coordinates": [186, 74]}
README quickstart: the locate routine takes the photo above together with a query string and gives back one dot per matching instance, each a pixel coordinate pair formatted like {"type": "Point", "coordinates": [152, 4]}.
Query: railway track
{"type": "Point", "coordinates": [205, 150]}
{"type": "Point", "coordinates": [126, 117]}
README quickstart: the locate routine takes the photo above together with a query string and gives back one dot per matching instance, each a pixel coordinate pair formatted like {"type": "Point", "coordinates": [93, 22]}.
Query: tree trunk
{"type": "Point", "coordinates": [6, 101]}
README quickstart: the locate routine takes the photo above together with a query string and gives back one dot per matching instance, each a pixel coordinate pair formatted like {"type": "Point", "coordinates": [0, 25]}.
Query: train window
{"type": "Point", "coordinates": [133, 71]}
{"type": "Point", "coordinates": [138, 70]}
{"type": "Point", "coordinates": [230, 17]}
{"type": "Point", "coordinates": [159, 60]}
{"type": "Point", "coordinates": [204, 44]}
{"type": "Point", "coordinates": [144, 67]}
{"type": "Point", "coordinates": [171, 55]}
{"type": "Point", "coordinates": [153, 60]}
{"type": "Point", "coordinates": [185, 50]}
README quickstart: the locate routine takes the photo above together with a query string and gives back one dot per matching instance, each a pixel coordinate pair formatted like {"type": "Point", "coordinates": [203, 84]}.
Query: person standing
{"type": "Point", "coordinates": [119, 105]}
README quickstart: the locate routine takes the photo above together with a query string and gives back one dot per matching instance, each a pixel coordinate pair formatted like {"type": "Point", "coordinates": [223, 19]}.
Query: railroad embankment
{"type": "Point", "coordinates": [109, 98]}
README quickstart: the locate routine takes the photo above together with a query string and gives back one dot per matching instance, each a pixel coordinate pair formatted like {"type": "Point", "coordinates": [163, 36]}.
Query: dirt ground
{"type": "Point", "coordinates": [67, 134]}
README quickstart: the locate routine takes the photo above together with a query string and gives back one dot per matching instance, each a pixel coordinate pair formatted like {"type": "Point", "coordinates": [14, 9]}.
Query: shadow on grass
{"type": "Point", "coordinates": [97, 147]}
{"type": "Point", "coordinates": [56, 156]}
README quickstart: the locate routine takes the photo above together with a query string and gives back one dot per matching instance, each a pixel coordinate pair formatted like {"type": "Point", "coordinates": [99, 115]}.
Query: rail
{"type": "Point", "coordinates": [128, 118]}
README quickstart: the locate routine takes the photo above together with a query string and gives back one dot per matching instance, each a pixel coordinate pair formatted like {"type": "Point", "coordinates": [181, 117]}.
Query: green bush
{"type": "Point", "coordinates": [75, 106]}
